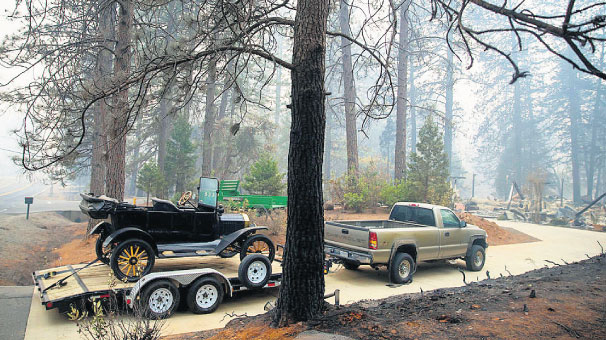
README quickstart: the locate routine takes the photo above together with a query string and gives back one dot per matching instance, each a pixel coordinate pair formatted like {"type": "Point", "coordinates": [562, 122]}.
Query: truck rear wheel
{"type": "Point", "coordinates": [401, 268]}
{"type": "Point", "coordinates": [351, 265]}
{"type": "Point", "coordinates": [254, 271]}
{"type": "Point", "coordinates": [475, 258]}
{"type": "Point", "coordinates": [159, 299]}
{"type": "Point", "coordinates": [205, 295]}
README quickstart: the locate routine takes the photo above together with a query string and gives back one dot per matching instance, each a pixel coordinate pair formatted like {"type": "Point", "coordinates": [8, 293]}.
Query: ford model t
{"type": "Point", "coordinates": [137, 235]}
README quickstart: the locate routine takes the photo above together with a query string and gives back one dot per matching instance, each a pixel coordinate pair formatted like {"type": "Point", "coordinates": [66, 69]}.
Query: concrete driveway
{"type": "Point", "coordinates": [557, 244]}
{"type": "Point", "coordinates": [15, 304]}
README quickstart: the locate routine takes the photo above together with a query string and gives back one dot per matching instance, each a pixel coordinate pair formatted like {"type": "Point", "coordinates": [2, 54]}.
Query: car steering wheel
{"type": "Point", "coordinates": [185, 197]}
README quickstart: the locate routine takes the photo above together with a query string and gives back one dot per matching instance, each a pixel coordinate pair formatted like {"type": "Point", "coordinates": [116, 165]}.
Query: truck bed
{"type": "Point", "coordinates": [98, 279]}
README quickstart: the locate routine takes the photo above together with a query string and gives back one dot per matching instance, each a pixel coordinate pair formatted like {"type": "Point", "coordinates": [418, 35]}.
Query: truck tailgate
{"type": "Point", "coordinates": [346, 234]}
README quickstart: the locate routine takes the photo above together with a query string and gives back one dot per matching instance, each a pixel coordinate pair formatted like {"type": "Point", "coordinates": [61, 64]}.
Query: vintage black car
{"type": "Point", "coordinates": [136, 235]}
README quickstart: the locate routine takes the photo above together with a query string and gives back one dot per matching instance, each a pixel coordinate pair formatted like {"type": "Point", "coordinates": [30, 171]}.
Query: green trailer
{"type": "Point", "coordinates": [229, 193]}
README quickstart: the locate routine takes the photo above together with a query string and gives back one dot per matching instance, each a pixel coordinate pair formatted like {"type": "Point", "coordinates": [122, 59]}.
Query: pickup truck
{"type": "Point", "coordinates": [413, 233]}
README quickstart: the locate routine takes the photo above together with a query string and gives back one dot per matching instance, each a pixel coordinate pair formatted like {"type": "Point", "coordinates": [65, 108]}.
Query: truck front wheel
{"type": "Point", "coordinates": [401, 268]}
{"type": "Point", "coordinates": [475, 258]}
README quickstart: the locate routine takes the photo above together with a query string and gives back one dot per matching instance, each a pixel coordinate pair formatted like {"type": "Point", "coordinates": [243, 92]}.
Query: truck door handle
{"type": "Point", "coordinates": [345, 231]}
{"type": "Point", "coordinates": [447, 233]}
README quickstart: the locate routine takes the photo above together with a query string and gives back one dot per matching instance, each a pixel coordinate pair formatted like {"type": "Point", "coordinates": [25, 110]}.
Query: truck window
{"type": "Point", "coordinates": [449, 219]}
{"type": "Point", "coordinates": [404, 213]}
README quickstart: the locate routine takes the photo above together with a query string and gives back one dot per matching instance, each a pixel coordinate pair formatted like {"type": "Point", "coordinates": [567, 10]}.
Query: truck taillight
{"type": "Point", "coordinates": [372, 240]}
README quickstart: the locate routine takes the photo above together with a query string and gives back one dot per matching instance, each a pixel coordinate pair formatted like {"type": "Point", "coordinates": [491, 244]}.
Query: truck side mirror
{"type": "Point", "coordinates": [463, 224]}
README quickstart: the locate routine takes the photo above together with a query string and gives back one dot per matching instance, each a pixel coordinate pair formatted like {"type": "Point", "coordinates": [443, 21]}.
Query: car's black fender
{"type": "Point", "coordinates": [101, 227]}
{"type": "Point", "coordinates": [130, 232]}
{"type": "Point", "coordinates": [235, 236]}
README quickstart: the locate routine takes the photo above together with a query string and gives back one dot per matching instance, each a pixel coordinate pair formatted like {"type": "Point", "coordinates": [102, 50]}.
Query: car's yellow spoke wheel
{"type": "Point", "coordinates": [133, 259]}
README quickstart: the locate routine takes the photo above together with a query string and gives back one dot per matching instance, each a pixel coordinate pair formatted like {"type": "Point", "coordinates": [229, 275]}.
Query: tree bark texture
{"type": "Point", "coordinates": [102, 69]}
{"type": "Point", "coordinates": [448, 108]}
{"type": "Point", "coordinates": [302, 290]}
{"type": "Point", "coordinates": [400, 147]}
{"type": "Point", "coordinates": [349, 92]}
{"type": "Point", "coordinates": [209, 118]}
{"type": "Point", "coordinates": [117, 127]}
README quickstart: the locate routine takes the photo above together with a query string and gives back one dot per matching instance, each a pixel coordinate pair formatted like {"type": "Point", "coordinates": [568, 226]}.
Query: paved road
{"type": "Point", "coordinates": [557, 244]}
{"type": "Point", "coordinates": [13, 190]}
{"type": "Point", "coordinates": [14, 310]}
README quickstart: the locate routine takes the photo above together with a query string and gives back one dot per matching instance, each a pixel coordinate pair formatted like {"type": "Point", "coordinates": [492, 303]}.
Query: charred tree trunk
{"type": "Point", "coordinates": [400, 147]}
{"type": "Point", "coordinates": [448, 109]}
{"type": "Point", "coordinates": [209, 118]}
{"type": "Point", "coordinates": [302, 290]}
{"type": "Point", "coordinates": [117, 127]}
{"type": "Point", "coordinates": [102, 69]}
{"type": "Point", "coordinates": [349, 93]}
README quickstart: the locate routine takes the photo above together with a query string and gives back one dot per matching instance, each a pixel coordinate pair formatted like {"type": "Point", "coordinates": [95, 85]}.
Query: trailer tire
{"type": "Point", "coordinates": [258, 244]}
{"type": "Point", "coordinates": [205, 295]}
{"type": "Point", "coordinates": [159, 299]}
{"type": "Point", "coordinates": [401, 268]}
{"type": "Point", "coordinates": [254, 271]}
{"type": "Point", "coordinates": [127, 255]}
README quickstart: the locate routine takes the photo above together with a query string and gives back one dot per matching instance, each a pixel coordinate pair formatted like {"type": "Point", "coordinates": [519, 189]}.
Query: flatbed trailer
{"type": "Point", "coordinates": [84, 285]}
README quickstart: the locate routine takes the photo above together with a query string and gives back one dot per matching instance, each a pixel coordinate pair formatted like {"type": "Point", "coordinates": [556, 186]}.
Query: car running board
{"type": "Point", "coordinates": [189, 248]}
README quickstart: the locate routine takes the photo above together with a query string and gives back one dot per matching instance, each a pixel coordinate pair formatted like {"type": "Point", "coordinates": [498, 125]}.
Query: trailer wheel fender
{"type": "Point", "coordinates": [130, 232]}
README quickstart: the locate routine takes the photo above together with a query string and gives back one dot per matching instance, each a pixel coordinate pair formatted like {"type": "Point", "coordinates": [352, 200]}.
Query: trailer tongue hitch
{"type": "Point", "coordinates": [336, 295]}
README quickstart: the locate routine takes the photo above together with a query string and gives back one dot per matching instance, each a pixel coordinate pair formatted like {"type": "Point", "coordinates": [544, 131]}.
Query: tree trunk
{"type": "Point", "coordinates": [302, 290]}
{"type": "Point", "coordinates": [278, 82]}
{"type": "Point", "coordinates": [349, 92]}
{"type": "Point", "coordinates": [209, 118]}
{"type": "Point", "coordinates": [413, 109]}
{"type": "Point", "coordinates": [575, 121]}
{"type": "Point", "coordinates": [595, 117]}
{"type": "Point", "coordinates": [102, 69]}
{"type": "Point", "coordinates": [119, 117]}
{"type": "Point", "coordinates": [164, 125]}
{"type": "Point", "coordinates": [517, 129]}
{"type": "Point", "coordinates": [136, 163]}
{"type": "Point", "coordinates": [400, 147]}
{"type": "Point", "coordinates": [448, 109]}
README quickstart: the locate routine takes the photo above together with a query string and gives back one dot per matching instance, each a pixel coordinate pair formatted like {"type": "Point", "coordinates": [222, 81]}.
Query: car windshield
{"type": "Point", "coordinates": [418, 215]}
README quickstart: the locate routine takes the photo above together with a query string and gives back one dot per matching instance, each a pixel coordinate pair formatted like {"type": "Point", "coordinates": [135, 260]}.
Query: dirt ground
{"type": "Point", "coordinates": [497, 235]}
{"type": "Point", "coordinates": [562, 302]}
{"type": "Point", "coordinates": [27, 245]}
